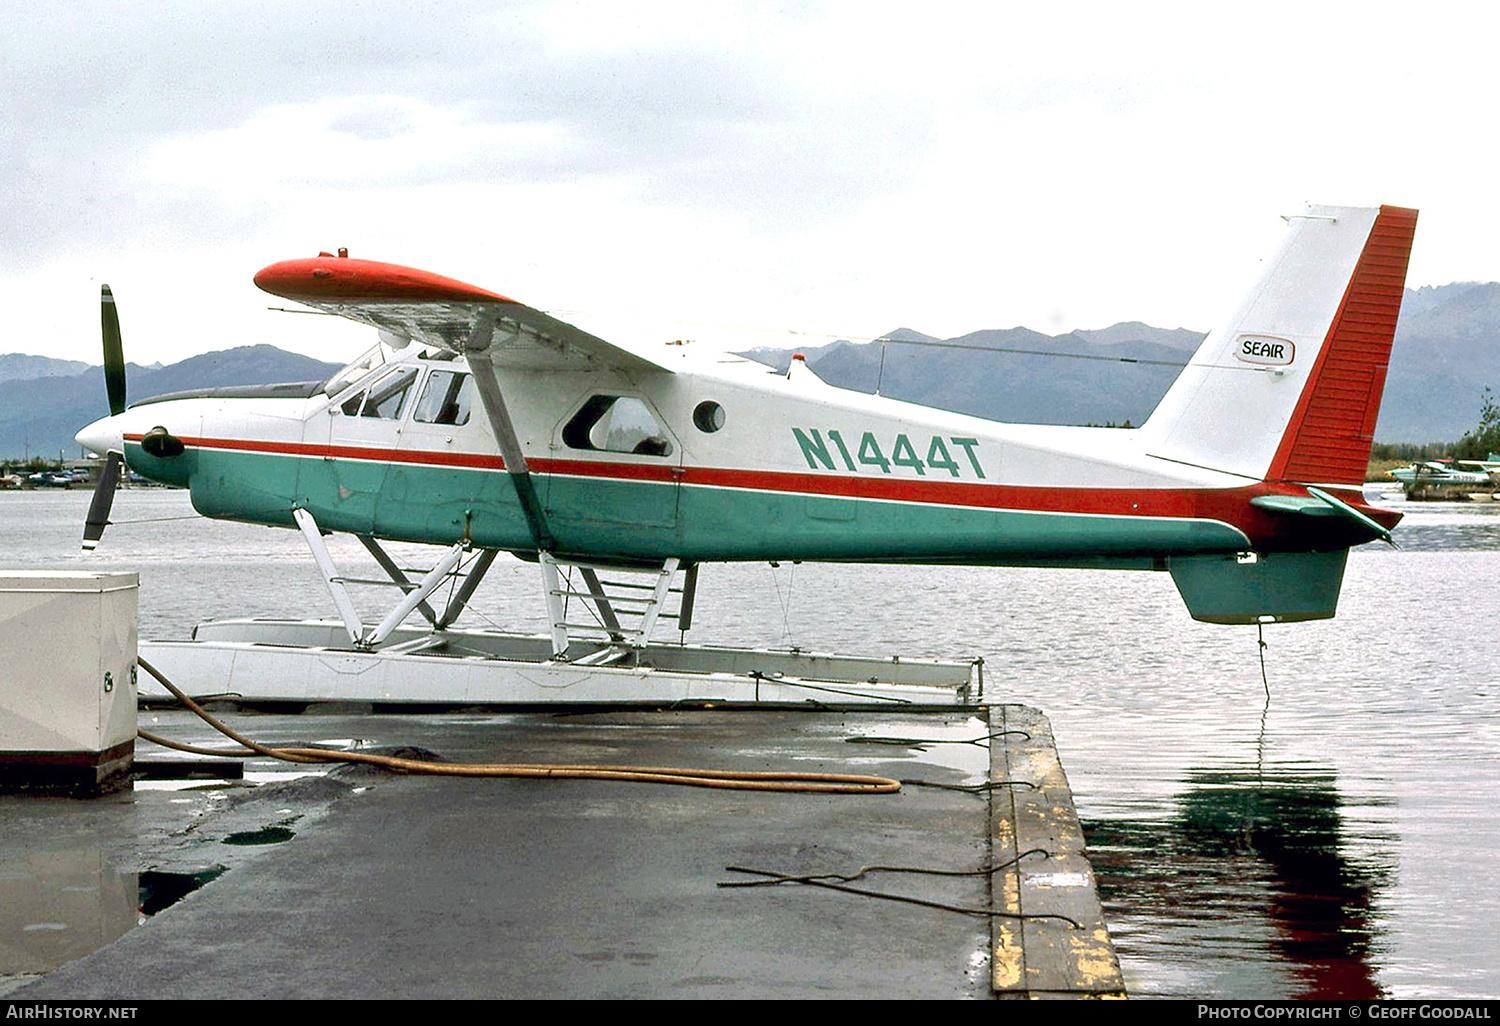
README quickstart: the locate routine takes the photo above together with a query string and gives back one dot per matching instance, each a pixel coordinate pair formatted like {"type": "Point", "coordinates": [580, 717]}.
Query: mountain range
{"type": "Point", "coordinates": [1447, 352]}
{"type": "Point", "coordinates": [40, 414]}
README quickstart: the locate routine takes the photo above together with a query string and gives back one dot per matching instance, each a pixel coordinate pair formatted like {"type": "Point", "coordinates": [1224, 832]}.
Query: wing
{"type": "Point", "coordinates": [444, 313]}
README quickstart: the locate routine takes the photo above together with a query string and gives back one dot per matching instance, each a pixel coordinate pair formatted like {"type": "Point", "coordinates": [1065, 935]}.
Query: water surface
{"type": "Point", "coordinates": [1334, 841]}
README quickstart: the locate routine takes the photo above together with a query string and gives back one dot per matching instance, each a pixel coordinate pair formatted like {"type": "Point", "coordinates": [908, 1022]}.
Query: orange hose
{"type": "Point", "coordinates": [825, 783]}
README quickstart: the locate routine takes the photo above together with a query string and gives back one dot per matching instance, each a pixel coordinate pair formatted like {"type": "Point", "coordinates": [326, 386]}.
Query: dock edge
{"type": "Point", "coordinates": [1041, 958]}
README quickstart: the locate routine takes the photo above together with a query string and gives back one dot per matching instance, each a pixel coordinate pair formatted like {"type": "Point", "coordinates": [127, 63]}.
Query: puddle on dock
{"type": "Point", "coordinates": [217, 784]}
{"type": "Point", "coordinates": [276, 833]}
{"type": "Point", "coordinates": [961, 745]}
{"type": "Point", "coordinates": [56, 906]}
{"type": "Point", "coordinates": [60, 905]}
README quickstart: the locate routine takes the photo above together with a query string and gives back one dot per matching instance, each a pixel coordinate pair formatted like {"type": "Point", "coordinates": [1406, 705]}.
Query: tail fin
{"type": "Point", "coordinates": [1289, 390]}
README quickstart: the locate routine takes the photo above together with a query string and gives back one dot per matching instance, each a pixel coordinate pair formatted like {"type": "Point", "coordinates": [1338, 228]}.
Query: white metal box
{"type": "Point", "coordinates": [67, 679]}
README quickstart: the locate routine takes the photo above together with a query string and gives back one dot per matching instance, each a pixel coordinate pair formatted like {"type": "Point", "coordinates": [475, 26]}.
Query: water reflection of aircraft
{"type": "Point", "coordinates": [481, 423]}
{"type": "Point", "coordinates": [1245, 850]}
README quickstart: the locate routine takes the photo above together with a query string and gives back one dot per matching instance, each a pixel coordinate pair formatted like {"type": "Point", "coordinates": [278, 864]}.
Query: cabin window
{"type": "Point", "coordinates": [384, 398]}
{"type": "Point", "coordinates": [447, 398]}
{"type": "Point", "coordinates": [617, 423]}
{"type": "Point", "coordinates": [708, 416]}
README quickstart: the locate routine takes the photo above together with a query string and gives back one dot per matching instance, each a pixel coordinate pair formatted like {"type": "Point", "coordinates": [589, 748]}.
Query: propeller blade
{"type": "Point", "coordinates": [104, 498]}
{"type": "Point", "coordinates": [114, 353]}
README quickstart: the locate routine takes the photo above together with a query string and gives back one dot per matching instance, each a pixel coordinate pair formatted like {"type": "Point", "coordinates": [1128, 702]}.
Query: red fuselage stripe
{"type": "Point", "coordinates": [1227, 505]}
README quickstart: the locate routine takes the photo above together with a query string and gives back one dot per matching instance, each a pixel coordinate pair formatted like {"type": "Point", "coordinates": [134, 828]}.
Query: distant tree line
{"type": "Point", "coordinates": [1408, 452]}
{"type": "Point", "coordinates": [32, 466]}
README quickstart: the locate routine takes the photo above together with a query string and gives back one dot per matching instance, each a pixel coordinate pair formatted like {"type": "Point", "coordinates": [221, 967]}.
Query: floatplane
{"type": "Point", "coordinates": [1448, 473]}
{"type": "Point", "coordinates": [483, 426]}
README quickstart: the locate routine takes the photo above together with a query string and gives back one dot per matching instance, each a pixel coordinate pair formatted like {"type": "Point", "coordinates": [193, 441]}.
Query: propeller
{"type": "Point", "coordinates": [104, 498]}
{"type": "Point", "coordinates": [114, 385]}
{"type": "Point", "coordinates": [114, 352]}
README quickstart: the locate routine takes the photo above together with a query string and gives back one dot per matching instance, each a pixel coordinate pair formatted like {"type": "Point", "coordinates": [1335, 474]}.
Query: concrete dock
{"type": "Point", "coordinates": [352, 882]}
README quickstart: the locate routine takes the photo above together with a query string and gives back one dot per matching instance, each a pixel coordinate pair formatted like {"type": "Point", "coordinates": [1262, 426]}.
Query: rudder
{"type": "Point", "coordinates": [1329, 438]}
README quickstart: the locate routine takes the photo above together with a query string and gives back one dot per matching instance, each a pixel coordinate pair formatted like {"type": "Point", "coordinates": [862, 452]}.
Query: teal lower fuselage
{"type": "Point", "coordinates": [602, 517]}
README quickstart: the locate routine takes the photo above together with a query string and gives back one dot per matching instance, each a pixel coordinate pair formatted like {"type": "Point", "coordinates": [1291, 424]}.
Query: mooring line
{"type": "Point", "coordinates": [1260, 637]}
{"type": "Point", "coordinates": [851, 877]}
{"type": "Point", "coordinates": [988, 913]}
{"type": "Point", "coordinates": [922, 742]}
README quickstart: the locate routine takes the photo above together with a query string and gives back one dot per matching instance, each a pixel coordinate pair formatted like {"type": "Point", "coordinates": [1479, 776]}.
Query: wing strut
{"type": "Point", "coordinates": [505, 436]}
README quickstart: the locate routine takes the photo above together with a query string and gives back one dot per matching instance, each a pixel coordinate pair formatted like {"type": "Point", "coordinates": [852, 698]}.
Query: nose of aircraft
{"type": "Point", "coordinates": [102, 436]}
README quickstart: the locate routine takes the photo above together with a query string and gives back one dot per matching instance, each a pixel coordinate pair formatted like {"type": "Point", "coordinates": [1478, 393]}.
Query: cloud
{"type": "Point", "coordinates": [842, 166]}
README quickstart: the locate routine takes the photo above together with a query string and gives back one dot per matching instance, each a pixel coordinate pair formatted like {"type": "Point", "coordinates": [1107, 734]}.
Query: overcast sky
{"type": "Point", "coordinates": [825, 167]}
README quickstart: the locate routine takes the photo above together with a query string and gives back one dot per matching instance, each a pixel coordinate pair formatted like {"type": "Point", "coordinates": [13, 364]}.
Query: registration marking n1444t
{"type": "Point", "coordinates": [829, 450]}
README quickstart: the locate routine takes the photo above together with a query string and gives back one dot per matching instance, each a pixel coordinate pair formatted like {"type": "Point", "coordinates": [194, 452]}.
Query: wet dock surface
{"type": "Point", "coordinates": [356, 883]}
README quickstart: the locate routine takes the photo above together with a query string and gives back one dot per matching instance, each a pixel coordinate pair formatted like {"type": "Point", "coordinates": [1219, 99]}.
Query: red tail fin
{"type": "Point", "coordinates": [1328, 439]}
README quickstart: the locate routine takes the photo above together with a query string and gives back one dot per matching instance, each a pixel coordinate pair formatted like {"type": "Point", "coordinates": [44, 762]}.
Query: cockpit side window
{"type": "Point", "coordinates": [384, 398]}
{"type": "Point", "coordinates": [616, 423]}
{"type": "Point", "coordinates": [447, 398]}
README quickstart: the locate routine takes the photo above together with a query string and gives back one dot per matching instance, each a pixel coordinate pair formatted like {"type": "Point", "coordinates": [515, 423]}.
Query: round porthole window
{"type": "Point", "coordinates": [708, 416]}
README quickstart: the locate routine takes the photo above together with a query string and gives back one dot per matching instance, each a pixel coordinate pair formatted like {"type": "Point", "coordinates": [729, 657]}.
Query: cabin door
{"type": "Point", "coordinates": [346, 488]}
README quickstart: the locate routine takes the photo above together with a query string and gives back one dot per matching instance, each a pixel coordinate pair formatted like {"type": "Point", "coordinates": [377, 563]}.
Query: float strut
{"type": "Point", "coordinates": [471, 581]}
{"type": "Point", "coordinates": [434, 580]}
{"type": "Point", "coordinates": [341, 599]}
{"type": "Point", "coordinates": [396, 574]}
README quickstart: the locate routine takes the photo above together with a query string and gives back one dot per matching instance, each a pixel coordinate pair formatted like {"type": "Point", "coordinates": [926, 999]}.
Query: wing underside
{"type": "Point", "coordinates": [408, 304]}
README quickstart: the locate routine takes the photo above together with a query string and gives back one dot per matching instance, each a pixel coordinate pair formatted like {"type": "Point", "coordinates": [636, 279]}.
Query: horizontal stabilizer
{"type": "Point", "coordinates": [1319, 503]}
{"type": "Point", "coordinates": [1305, 504]}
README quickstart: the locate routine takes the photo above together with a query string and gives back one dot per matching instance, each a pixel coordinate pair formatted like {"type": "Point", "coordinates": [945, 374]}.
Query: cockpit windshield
{"type": "Point", "coordinates": [365, 363]}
